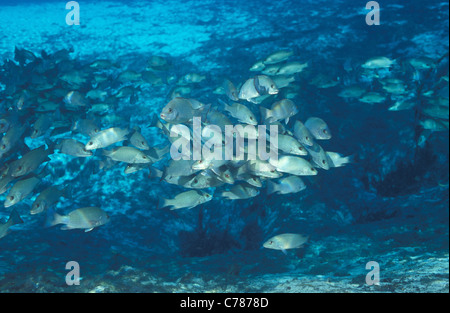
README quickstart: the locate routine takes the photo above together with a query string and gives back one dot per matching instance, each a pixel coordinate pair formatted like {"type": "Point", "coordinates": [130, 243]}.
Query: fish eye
{"type": "Point", "coordinates": [144, 157]}
{"type": "Point", "coordinates": [323, 162]}
{"type": "Point", "coordinates": [11, 198]}
{"type": "Point", "coordinates": [300, 148]}
{"type": "Point", "coordinates": [19, 168]}
{"type": "Point", "coordinates": [142, 143]}
{"type": "Point", "coordinates": [272, 86]}
{"type": "Point", "coordinates": [170, 110]}
{"type": "Point", "coordinates": [312, 169]}
{"type": "Point", "coordinates": [271, 242]}
{"type": "Point", "coordinates": [90, 143]}
{"type": "Point", "coordinates": [3, 147]}
{"type": "Point", "coordinates": [251, 118]}
{"type": "Point", "coordinates": [307, 138]}
{"type": "Point", "coordinates": [324, 131]}
{"type": "Point", "coordinates": [272, 171]}
{"type": "Point", "coordinates": [227, 176]}
{"type": "Point", "coordinates": [195, 181]}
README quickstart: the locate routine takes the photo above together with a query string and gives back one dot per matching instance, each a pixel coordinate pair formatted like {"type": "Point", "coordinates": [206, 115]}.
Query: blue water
{"type": "Point", "coordinates": [390, 205]}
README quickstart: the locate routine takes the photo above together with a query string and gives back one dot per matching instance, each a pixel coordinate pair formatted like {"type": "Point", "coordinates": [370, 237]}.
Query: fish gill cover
{"type": "Point", "coordinates": [211, 146]}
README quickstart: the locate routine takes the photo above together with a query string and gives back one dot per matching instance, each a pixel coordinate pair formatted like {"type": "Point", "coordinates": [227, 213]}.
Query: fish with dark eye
{"type": "Point", "coordinates": [303, 135]}
{"type": "Point", "coordinates": [293, 165]}
{"type": "Point", "coordinates": [20, 190]}
{"type": "Point", "coordinates": [286, 241]}
{"type": "Point", "coordinates": [11, 138]}
{"type": "Point", "coordinates": [138, 140]}
{"type": "Point", "coordinates": [47, 199]}
{"type": "Point", "coordinates": [318, 156]}
{"type": "Point", "coordinates": [265, 85]}
{"type": "Point", "coordinates": [106, 138]}
{"type": "Point", "coordinates": [188, 200]}
{"type": "Point", "coordinates": [230, 90]}
{"type": "Point", "coordinates": [31, 161]}
{"type": "Point", "coordinates": [318, 128]}
{"type": "Point", "coordinates": [179, 110]}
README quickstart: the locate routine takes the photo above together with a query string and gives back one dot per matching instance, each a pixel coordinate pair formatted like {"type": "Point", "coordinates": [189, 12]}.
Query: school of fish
{"type": "Point", "coordinates": [71, 104]}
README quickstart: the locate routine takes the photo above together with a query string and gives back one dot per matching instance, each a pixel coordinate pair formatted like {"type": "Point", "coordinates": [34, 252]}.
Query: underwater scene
{"type": "Point", "coordinates": [212, 146]}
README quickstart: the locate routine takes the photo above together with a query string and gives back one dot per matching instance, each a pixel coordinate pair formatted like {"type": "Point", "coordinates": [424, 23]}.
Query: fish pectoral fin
{"type": "Point", "coordinates": [65, 227]}
{"type": "Point", "coordinates": [286, 120]}
{"type": "Point", "coordinates": [88, 230]}
{"type": "Point", "coordinates": [284, 251]}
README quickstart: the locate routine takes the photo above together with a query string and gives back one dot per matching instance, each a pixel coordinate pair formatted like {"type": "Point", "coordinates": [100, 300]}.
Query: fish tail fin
{"type": "Point", "coordinates": [162, 203]}
{"type": "Point", "coordinates": [350, 159]}
{"type": "Point", "coordinates": [265, 113]}
{"type": "Point", "coordinates": [154, 172]}
{"type": "Point", "coordinates": [53, 218]}
{"type": "Point", "coordinates": [51, 145]}
{"type": "Point", "coordinates": [225, 105]}
{"type": "Point", "coordinates": [14, 218]}
{"type": "Point", "coordinates": [155, 122]}
{"type": "Point", "coordinates": [271, 187]}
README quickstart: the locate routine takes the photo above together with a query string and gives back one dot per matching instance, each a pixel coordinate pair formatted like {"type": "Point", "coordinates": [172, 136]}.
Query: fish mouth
{"type": "Point", "coordinates": [163, 116]}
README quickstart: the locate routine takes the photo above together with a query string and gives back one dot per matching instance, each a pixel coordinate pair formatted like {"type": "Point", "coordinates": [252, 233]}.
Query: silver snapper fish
{"type": "Point", "coordinates": [179, 110]}
{"type": "Point", "coordinates": [241, 113]}
{"type": "Point", "coordinates": [230, 90]}
{"type": "Point", "coordinates": [265, 85]}
{"type": "Point", "coordinates": [138, 140]}
{"type": "Point", "coordinates": [286, 241]}
{"type": "Point", "coordinates": [318, 128]}
{"type": "Point", "coordinates": [240, 192]}
{"type": "Point", "coordinates": [293, 165]}
{"type": "Point", "coordinates": [378, 62]}
{"type": "Point", "coordinates": [47, 199]}
{"type": "Point", "coordinates": [290, 145]}
{"type": "Point", "coordinates": [257, 86]}
{"type": "Point", "coordinates": [73, 147]}
{"type": "Point", "coordinates": [188, 200]}
{"type": "Point", "coordinates": [14, 219]}
{"type": "Point", "coordinates": [286, 185]}
{"type": "Point", "coordinates": [318, 156]}
{"type": "Point", "coordinates": [106, 138]}
{"type": "Point", "coordinates": [280, 110]}
{"type": "Point", "coordinates": [292, 68]}
{"type": "Point", "coordinates": [42, 124]}
{"type": "Point", "coordinates": [20, 190]}
{"type": "Point", "coordinates": [127, 155]}
{"type": "Point", "coordinates": [11, 138]}
{"type": "Point", "coordinates": [261, 169]}
{"type": "Point", "coordinates": [86, 218]}
{"type": "Point", "coordinates": [86, 127]}
{"type": "Point", "coordinates": [303, 135]}
{"type": "Point", "coordinates": [278, 56]}
{"type": "Point", "coordinates": [30, 161]}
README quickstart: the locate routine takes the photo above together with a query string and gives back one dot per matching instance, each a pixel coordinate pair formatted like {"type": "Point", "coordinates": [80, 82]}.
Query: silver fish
{"type": "Point", "coordinates": [86, 218]}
